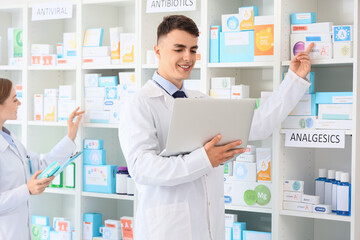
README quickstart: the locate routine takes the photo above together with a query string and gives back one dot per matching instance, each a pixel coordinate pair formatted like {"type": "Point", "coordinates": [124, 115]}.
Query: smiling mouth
{"type": "Point", "coordinates": [185, 67]}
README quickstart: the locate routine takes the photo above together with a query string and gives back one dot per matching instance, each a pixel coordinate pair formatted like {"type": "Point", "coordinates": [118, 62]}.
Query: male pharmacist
{"type": "Point", "coordinates": [181, 197]}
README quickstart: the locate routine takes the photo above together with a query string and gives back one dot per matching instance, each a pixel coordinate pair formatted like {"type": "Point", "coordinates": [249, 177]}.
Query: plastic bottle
{"type": "Point", "coordinates": [334, 190]}
{"type": "Point", "coordinates": [328, 187]}
{"type": "Point", "coordinates": [320, 185]}
{"type": "Point", "coordinates": [121, 180]}
{"type": "Point", "coordinates": [70, 176]}
{"type": "Point", "coordinates": [343, 200]}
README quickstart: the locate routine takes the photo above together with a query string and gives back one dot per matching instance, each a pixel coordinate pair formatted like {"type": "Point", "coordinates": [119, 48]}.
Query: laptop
{"type": "Point", "coordinates": [196, 121]}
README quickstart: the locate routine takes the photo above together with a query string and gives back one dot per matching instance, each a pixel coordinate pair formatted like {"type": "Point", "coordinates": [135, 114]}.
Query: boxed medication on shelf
{"type": "Point", "coordinates": [310, 199]}
{"type": "Point", "coordinates": [110, 104]}
{"type": "Point", "coordinates": [91, 225]}
{"type": "Point", "coordinates": [95, 92]}
{"type": "Point", "coordinates": [126, 90]}
{"type": "Point", "coordinates": [263, 164]}
{"type": "Point", "coordinates": [127, 45]}
{"type": "Point", "coordinates": [100, 178]}
{"type": "Point", "coordinates": [65, 92]}
{"type": "Point", "coordinates": [99, 116]}
{"type": "Point", "coordinates": [298, 206]}
{"type": "Point", "coordinates": [292, 196]}
{"type": "Point", "coordinates": [250, 149]}
{"type": "Point", "coordinates": [228, 233]}
{"type": "Point", "coordinates": [97, 60]}
{"type": "Point", "coordinates": [237, 46]}
{"type": "Point", "coordinates": [298, 43]}
{"type": "Point", "coordinates": [94, 104]}
{"type": "Point", "coordinates": [15, 43]}
{"type": "Point", "coordinates": [18, 61]}
{"type": "Point", "coordinates": [230, 22]}
{"type": "Point", "coordinates": [214, 44]}
{"type": "Point", "coordinates": [333, 124]}
{"type": "Point", "coordinates": [319, 208]}
{"type": "Point", "coordinates": [222, 82]}
{"type": "Point", "coordinates": [60, 50]}
{"type": "Point", "coordinates": [92, 80]}
{"type": "Point", "coordinates": [49, 60]}
{"type": "Point", "coordinates": [246, 158]}
{"type": "Point", "coordinates": [94, 156]}
{"type": "Point", "coordinates": [51, 92]}
{"type": "Point", "coordinates": [294, 186]}
{"type": "Point", "coordinates": [264, 38]}
{"type": "Point", "coordinates": [115, 114]}
{"type": "Point", "coordinates": [320, 50]}
{"type": "Point", "coordinates": [66, 61]}
{"type": "Point", "coordinates": [102, 51]}
{"type": "Point", "coordinates": [35, 60]}
{"type": "Point", "coordinates": [65, 106]}
{"type": "Point", "coordinates": [40, 220]}
{"type": "Point", "coordinates": [111, 92]}
{"type": "Point", "coordinates": [244, 171]}
{"type": "Point", "coordinates": [38, 107]}
{"type": "Point", "coordinates": [222, 93]}
{"type": "Point", "coordinates": [335, 111]}
{"type": "Point", "coordinates": [227, 189]}
{"type": "Point", "coordinates": [238, 228]}
{"type": "Point", "coordinates": [306, 106]}
{"type": "Point", "coordinates": [251, 194]}
{"type": "Point", "coordinates": [127, 227]}
{"type": "Point", "coordinates": [93, 144]}
{"type": "Point", "coordinates": [334, 97]}
{"type": "Point", "coordinates": [69, 44]}
{"type": "Point", "coordinates": [115, 44]}
{"type": "Point", "coordinates": [321, 27]}
{"type": "Point", "coordinates": [108, 81]}
{"type": "Point", "coordinates": [228, 168]}
{"type": "Point", "coordinates": [240, 91]}
{"type": "Point", "coordinates": [50, 109]}
{"type": "Point", "coordinates": [343, 50]}
{"type": "Point", "coordinates": [42, 49]}
{"type": "Point", "coordinates": [230, 219]}
{"type": "Point", "coordinates": [255, 235]}
{"type": "Point", "coordinates": [126, 77]}
{"type": "Point", "coordinates": [93, 37]}
{"type": "Point", "coordinates": [343, 33]}
{"type": "Point", "coordinates": [247, 15]}
{"type": "Point", "coordinates": [303, 18]}
{"type": "Point", "coordinates": [299, 122]}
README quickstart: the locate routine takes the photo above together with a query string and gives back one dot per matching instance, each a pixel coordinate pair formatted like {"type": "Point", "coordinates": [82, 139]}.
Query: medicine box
{"type": "Point", "coordinates": [51, 92]}
{"type": "Point", "coordinates": [214, 44]}
{"type": "Point", "coordinates": [66, 61]}
{"type": "Point", "coordinates": [306, 106]}
{"type": "Point", "coordinates": [250, 149]}
{"type": "Point", "coordinates": [65, 91]}
{"type": "Point", "coordinates": [38, 107]}
{"type": "Point", "coordinates": [94, 104]}
{"type": "Point", "coordinates": [299, 122]}
{"type": "Point", "coordinates": [244, 171]}
{"type": "Point", "coordinates": [319, 208]}
{"type": "Point", "coordinates": [60, 50]}
{"type": "Point", "coordinates": [246, 158]}
{"type": "Point", "coordinates": [115, 112]}
{"type": "Point", "coordinates": [125, 90]}
{"type": "Point", "coordinates": [254, 235]}
{"type": "Point", "coordinates": [230, 219]}
{"type": "Point", "coordinates": [251, 194]}
{"type": "Point", "coordinates": [323, 27]}
{"type": "Point", "coordinates": [263, 164]}
{"type": "Point", "coordinates": [48, 60]}
{"type": "Point", "coordinates": [230, 22]}
{"type": "Point", "coordinates": [240, 91]}
{"type": "Point", "coordinates": [228, 168]}
{"type": "Point", "coordinates": [292, 196]}
{"type": "Point", "coordinates": [69, 40]}
{"type": "Point", "coordinates": [111, 92]}
{"type": "Point", "coordinates": [108, 81]}
{"type": "Point", "coordinates": [103, 51]}
{"type": "Point", "coordinates": [227, 189]}
{"type": "Point", "coordinates": [333, 124]}
{"type": "Point", "coordinates": [294, 186]}
{"type": "Point", "coordinates": [127, 44]}
{"type": "Point", "coordinates": [310, 199]}
{"type": "Point", "coordinates": [40, 220]}
{"type": "Point", "coordinates": [97, 60]}
{"type": "Point", "coordinates": [95, 156]}
{"type": "Point", "coordinates": [92, 80]}
{"type": "Point", "coordinates": [237, 46]}
{"type": "Point", "coordinates": [50, 109]}
{"type": "Point", "coordinates": [343, 33]}
{"type": "Point", "coordinates": [93, 144]}
{"type": "Point", "coordinates": [99, 116]}
{"type": "Point", "coordinates": [303, 18]}
{"type": "Point", "coordinates": [93, 37]}
{"type": "Point", "coordinates": [320, 50]}
{"type": "Point", "coordinates": [110, 104]}
{"type": "Point", "coordinates": [247, 15]}
{"type": "Point", "coordinates": [221, 93]}
{"type": "Point", "coordinates": [126, 77]}
{"type": "Point", "coordinates": [343, 50]}
{"type": "Point", "coordinates": [91, 225]}
{"type": "Point", "coordinates": [335, 111]}
{"type": "Point", "coordinates": [112, 223]}
{"type": "Point", "coordinates": [298, 42]}
{"type": "Point", "coordinates": [65, 107]}
{"type": "Point", "coordinates": [298, 206]}
{"type": "Point", "coordinates": [228, 233]}
{"type": "Point", "coordinates": [264, 38]}
{"type": "Point", "coordinates": [334, 97]}
{"type": "Point", "coordinates": [95, 92]}
{"type": "Point", "coordinates": [42, 49]}
{"type": "Point", "coordinates": [238, 228]}
{"type": "Point", "coordinates": [222, 82]}
{"type": "Point", "coordinates": [100, 178]}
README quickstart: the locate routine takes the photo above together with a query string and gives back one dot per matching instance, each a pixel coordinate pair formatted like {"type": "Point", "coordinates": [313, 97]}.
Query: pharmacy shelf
{"type": "Point", "coordinates": [54, 68]}
{"type": "Point", "coordinates": [110, 66]}
{"type": "Point", "coordinates": [110, 196]}
{"type": "Point", "coordinates": [63, 191]}
{"type": "Point", "coordinates": [155, 66]}
{"type": "Point", "coordinates": [347, 132]}
{"type": "Point", "coordinates": [119, 3]}
{"type": "Point", "coordinates": [245, 65]}
{"type": "Point", "coordinates": [100, 125]}
{"type": "Point", "coordinates": [7, 67]}
{"type": "Point", "coordinates": [47, 124]}
{"type": "Point", "coordinates": [13, 122]}
{"type": "Point", "coordinates": [248, 209]}
{"type": "Point", "coordinates": [331, 216]}
{"type": "Point", "coordinates": [327, 62]}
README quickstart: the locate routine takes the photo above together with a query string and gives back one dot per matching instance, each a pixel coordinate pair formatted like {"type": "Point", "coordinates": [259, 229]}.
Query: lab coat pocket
{"type": "Point", "coordinates": [169, 222]}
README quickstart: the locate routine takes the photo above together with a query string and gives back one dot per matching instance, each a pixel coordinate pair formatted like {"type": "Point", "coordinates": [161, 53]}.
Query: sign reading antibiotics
{"type": "Point", "coordinates": [315, 138]}
{"type": "Point", "coordinates": [155, 6]}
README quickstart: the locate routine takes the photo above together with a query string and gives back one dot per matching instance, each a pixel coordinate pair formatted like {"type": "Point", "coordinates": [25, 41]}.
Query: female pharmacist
{"type": "Point", "coordinates": [19, 168]}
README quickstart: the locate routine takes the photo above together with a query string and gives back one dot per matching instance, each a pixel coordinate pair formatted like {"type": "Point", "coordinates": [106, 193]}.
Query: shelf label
{"type": "Point", "coordinates": [315, 138]}
{"type": "Point", "coordinates": [156, 6]}
{"type": "Point", "coordinates": [51, 10]}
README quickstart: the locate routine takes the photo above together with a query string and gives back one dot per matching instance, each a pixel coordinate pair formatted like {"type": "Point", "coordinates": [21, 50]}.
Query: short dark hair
{"type": "Point", "coordinates": [180, 22]}
{"type": "Point", "coordinates": [5, 89]}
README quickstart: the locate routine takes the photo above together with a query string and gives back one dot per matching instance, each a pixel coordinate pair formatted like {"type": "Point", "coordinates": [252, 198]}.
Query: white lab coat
{"type": "Point", "coordinates": [14, 174]}
{"type": "Point", "coordinates": [182, 197]}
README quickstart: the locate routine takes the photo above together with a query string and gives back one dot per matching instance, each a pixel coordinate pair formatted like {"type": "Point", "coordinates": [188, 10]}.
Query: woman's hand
{"type": "Point", "coordinates": [74, 126]}
{"type": "Point", "coordinates": [37, 186]}
{"type": "Point", "coordinates": [301, 64]}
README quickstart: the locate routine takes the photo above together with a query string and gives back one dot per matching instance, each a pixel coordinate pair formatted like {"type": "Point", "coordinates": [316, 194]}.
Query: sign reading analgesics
{"type": "Point", "coordinates": [315, 138]}
{"type": "Point", "coordinates": [155, 6]}
{"type": "Point", "coordinates": [51, 10]}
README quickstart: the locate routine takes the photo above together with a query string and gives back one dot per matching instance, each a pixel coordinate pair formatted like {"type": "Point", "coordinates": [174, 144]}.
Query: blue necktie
{"type": "Point", "coordinates": [179, 94]}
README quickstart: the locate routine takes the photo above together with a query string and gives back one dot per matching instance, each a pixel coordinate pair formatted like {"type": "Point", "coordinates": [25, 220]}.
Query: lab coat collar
{"type": "Point", "coordinates": [3, 144]}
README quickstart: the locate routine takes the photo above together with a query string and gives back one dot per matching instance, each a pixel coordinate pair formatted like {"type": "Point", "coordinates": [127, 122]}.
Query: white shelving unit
{"type": "Point", "coordinates": [295, 163]}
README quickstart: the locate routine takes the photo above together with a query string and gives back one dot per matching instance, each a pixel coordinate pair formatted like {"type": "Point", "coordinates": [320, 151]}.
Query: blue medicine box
{"type": "Point", "coordinates": [237, 46]}
{"type": "Point", "coordinates": [111, 92]}
{"type": "Point", "coordinates": [342, 33]}
{"type": "Point", "coordinates": [303, 18]}
{"type": "Point", "coordinates": [95, 219]}
{"type": "Point", "coordinates": [334, 97]}
{"type": "Point", "coordinates": [215, 44]}
{"type": "Point", "coordinates": [93, 144]}
{"type": "Point", "coordinates": [100, 178]}
{"type": "Point", "coordinates": [108, 81]}
{"type": "Point", "coordinates": [254, 235]}
{"type": "Point", "coordinates": [238, 228]}
{"type": "Point", "coordinates": [95, 156]}
{"type": "Point", "coordinates": [40, 220]}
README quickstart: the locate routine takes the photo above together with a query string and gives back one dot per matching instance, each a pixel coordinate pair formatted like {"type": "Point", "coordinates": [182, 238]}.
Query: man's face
{"type": "Point", "coordinates": [176, 52]}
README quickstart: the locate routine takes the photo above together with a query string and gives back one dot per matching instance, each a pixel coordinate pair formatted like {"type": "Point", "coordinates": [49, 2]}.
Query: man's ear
{"type": "Point", "coordinates": [157, 51]}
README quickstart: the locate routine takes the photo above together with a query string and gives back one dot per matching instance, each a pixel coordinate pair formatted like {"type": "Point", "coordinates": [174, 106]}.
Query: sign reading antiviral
{"type": "Point", "coordinates": [51, 10]}
{"type": "Point", "coordinates": [315, 138]}
{"type": "Point", "coordinates": [155, 6]}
